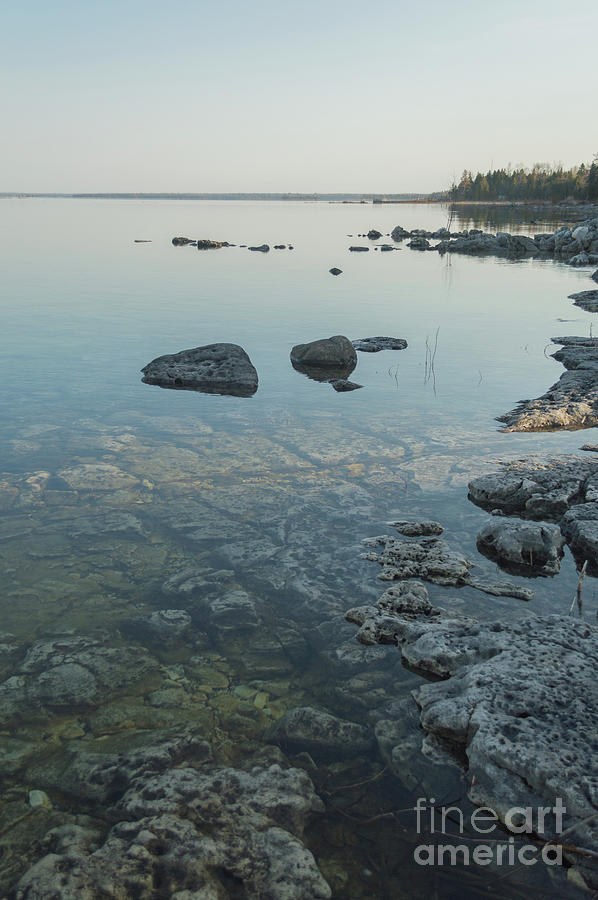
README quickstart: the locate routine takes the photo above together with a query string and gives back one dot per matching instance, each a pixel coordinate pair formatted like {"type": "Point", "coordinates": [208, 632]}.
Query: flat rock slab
{"type": "Point", "coordinates": [570, 403]}
{"type": "Point", "coordinates": [587, 300]}
{"type": "Point", "coordinates": [375, 344]}
{"type": "Point", "coordinates": [213, 369]}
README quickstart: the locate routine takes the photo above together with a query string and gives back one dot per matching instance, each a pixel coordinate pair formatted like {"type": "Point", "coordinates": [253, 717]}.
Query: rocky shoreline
{"type": "Point", "coordinates": [505, 707]}
{"type": "Point", "coordinates": [575, 246]}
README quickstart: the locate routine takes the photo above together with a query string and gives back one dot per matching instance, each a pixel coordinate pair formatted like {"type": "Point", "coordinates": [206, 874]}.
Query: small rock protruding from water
{"type": "Point", "coordinates": [375, 344]}
{"type": "Point", "coordinates": [335, 271]}
{"type": "Point", "coordinates": [341, 385]}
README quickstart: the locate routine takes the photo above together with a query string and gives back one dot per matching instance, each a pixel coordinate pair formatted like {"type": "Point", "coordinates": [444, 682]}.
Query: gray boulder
{"type": "Point", "coordinates": [262, 248]}
{"type": "Point", "coordinates": [332, 352]}
{"type": "Point", "coordinates": [358, 249]}
{"type": "Point", "coordinates": [524, 548]}
{"type": "Point", "coordinates": [213, 369]}
{"type": "Point", "coordinates": [374, 235]}
{"type": "Point", "coordinates": [335, 271]}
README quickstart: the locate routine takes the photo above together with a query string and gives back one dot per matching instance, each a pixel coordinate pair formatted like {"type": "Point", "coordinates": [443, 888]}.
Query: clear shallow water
{"type": "Point", "coordinates": [275, 491]}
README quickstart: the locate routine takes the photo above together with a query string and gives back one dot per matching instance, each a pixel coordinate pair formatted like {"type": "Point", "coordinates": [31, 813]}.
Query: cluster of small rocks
{"type": "Point", "coordinates": [577, 246]}
{"type": "Point", "coordinates": [562, 490]}
{"type": "Point", "coordinates": [209, 244]}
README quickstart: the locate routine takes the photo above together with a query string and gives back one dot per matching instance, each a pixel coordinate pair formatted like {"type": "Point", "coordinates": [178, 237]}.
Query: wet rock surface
{"type": "Point", "coordinates": [570, 403]}
{"type": "Point", "coordinates": [335, 352]}
{"type": "Point", "coordinates": [376, 344]}
{"type": "Point", "coordinates": [508, 707]}
{"type": "Point", "coordinates": [576, 245]}
{"type": "Point", "coordinates": [214, 368]}
{"type": "Point", "coordinates": [564, 490]}
{"type": "Point", "coordinates": [522, 547]}
{"type": "Point", "coordinates": [342, 386]}
{"type": "Point", "coordinates": [433, 560]}
{"type": "Point", "coordinates": [587, 300]}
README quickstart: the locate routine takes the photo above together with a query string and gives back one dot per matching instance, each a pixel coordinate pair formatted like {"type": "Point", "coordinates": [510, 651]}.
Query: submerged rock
{"type": "Point", "coordinates": [186, 826]}
{"type": "Point", "coordinates": [263, 248]}
{"type": "Point", "coordinates": [319, 733]}
{"type": "Point", "coordinates": [570, 403]}
{"type": "Point", "coordinates": [356, 249]}
{"type": "Point", "coordinates": [332, 352]}
{"type": "Point", "coordinates": [376, 344]}
{"type": "Point", "coordinates": [417, 528]}
{"type": "Point", "coordinates": [67, 672]}
{"type": "Point", "coordinates": [212, 369]}
{"type": "Point", "coordinates": [522, 547]}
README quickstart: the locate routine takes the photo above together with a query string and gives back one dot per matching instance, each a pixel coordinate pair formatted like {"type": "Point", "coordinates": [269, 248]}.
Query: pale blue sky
{"type": "Point", "coordinates": [304, 96]}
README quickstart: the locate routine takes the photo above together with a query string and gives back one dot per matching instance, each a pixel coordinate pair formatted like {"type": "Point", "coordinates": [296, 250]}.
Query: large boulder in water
{"type": "Point", "coordinates": [334, 352]}
{"type": "Point", "coordinates": [214, 369]}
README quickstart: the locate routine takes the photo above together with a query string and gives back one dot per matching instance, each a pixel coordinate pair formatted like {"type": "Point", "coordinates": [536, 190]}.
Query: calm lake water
{"type": "Point", "coordinates": [271, 495]}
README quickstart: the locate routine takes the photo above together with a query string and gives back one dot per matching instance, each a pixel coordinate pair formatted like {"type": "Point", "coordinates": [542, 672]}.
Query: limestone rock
{"type": "Point", "coordinates": [213, 369]}
{"type": "Point", "coordinates": [570, 403]}
{"type": "Point", "coordinates": [319, 733]}
{"type": "Point", "coordinates": [522, 547]}
{"type": "Point", "coordinates": [185, 827]}
{"type": "Point", "coordinates": [375, 344]}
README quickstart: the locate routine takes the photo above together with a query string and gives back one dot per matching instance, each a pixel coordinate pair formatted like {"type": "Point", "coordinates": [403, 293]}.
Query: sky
{"type": "Point", "coordinates": [335, 95]}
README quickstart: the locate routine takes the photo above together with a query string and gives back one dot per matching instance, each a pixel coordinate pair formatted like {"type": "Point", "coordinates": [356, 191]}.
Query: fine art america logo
{"type": "Point", "coordinates": [498, 850]}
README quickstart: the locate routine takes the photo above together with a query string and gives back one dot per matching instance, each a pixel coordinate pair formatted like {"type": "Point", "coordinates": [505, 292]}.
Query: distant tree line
{"type": "Point", "coordinates": [541, 182]}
